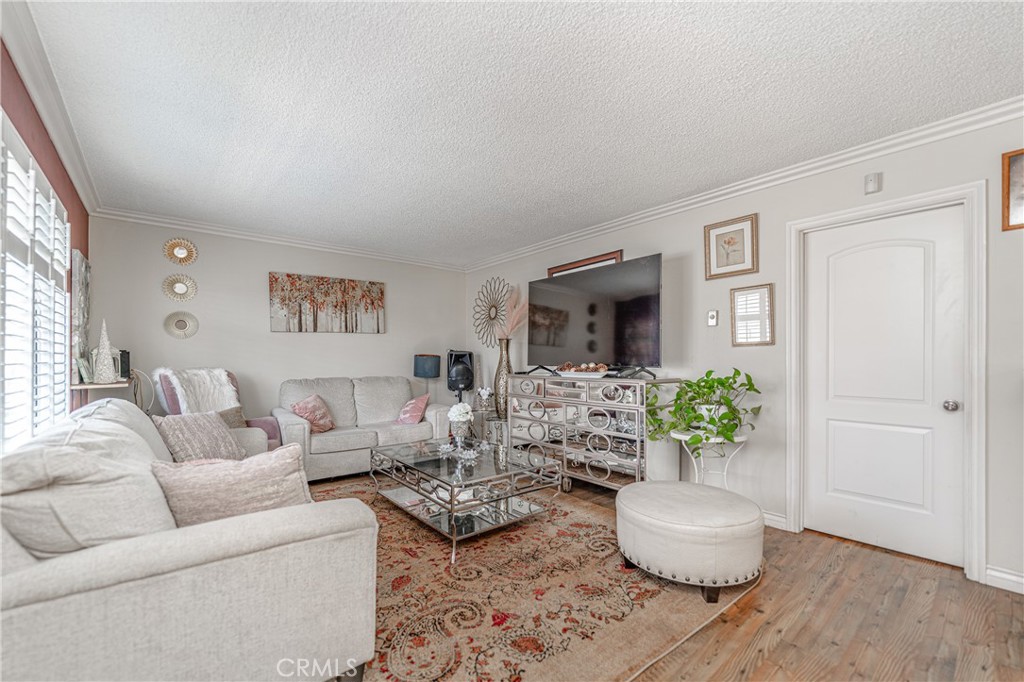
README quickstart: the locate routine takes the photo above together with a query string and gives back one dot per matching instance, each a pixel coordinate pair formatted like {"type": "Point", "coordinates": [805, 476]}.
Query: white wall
{"type": "Point", "coordinates": [690, 347]}
{"type": "Point", "coordinates": [422, 306]}
{"type": "Point", "coordinates": [423, 315]}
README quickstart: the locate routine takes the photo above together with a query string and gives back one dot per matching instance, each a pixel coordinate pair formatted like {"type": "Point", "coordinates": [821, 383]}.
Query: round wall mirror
{"type": "Point", "coordinates": [179, 287]}
{"type": "Point", "coordinates": [181, 324]}
{"type": "Point", "coordinates": [180, 251]}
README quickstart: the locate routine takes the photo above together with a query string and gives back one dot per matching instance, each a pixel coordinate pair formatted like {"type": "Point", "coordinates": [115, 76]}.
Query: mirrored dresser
{"type": "Point", "coordinates": [595, 426]}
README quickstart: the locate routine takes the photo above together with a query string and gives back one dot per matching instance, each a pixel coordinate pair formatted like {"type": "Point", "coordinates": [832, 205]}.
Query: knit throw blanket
{"type": "Point", "coordinates": [199, 390]}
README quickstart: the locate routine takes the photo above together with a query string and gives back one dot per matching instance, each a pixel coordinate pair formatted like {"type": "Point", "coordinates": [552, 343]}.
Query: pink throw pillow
{"type": "Point", "coordinates": [412, 411]}
{"type": "Point", "coordinates": [314, 410]}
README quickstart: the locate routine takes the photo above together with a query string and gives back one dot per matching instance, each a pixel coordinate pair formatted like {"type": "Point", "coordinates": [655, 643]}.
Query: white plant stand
{"type": "Point", "coordinates": [700, 464]}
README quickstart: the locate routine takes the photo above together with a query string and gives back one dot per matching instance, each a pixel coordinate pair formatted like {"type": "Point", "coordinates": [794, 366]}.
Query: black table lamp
{"type": "Point", "coordinates": [426, 367]}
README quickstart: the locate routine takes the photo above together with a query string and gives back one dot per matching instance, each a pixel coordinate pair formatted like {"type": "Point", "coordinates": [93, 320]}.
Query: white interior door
{"type": "Point", "coordinates": [884, 349]}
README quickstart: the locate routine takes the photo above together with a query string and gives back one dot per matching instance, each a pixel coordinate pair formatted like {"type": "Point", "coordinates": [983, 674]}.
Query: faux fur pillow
{"type": "Point", "coordinates": [198, 436]}
{"type": "Point", "coordinates": [314, 410]}
{"type": "Point", "coordinates": [209, 489]}
{"type": "Point", "coordinates": [412, 411]}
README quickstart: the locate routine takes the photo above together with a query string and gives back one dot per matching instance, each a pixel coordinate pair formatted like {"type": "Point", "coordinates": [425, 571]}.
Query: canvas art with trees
{"type": "Point", "coordinates": [314, 303]}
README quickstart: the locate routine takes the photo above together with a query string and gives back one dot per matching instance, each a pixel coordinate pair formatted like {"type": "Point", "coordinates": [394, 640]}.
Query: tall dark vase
{"type": "Point", "coordinates": [501, 376]}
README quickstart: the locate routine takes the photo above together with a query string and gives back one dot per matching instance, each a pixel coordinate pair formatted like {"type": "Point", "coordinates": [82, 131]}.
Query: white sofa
{"type": "Point", "coordinates": [241, 598]}
{"type": "Point", "coordinates": [364, 410]}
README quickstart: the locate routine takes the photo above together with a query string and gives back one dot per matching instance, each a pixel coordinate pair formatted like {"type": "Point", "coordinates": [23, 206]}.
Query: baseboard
{"type": "Point", "coordinates": [773, 520]}
{"type": "Point", "coordinates": [1012, 581]}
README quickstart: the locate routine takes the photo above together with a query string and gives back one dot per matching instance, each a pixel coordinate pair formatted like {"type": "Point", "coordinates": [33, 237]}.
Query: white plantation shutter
{"type": "Point", "coordinates": [751, 317]}
{"type": "Point", "coordinates": [34, 321]}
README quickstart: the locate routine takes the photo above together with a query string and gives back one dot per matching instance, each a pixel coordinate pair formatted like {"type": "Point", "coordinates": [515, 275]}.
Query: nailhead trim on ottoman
{"type": "Point", "coordinates": [707, 534]}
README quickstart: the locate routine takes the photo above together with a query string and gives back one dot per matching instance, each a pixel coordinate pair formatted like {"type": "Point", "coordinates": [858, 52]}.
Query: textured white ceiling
{"type": "Point", "coordinates": [454, 132]}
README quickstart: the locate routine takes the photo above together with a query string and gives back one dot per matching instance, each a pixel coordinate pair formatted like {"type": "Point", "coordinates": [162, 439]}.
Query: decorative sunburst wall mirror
{"type": "Point", "coordinates": [179, 287]}
{"type": "Point", "coordinates": [181, 325]}
{"type": "Point", "coordinates": [180, 251]}
{"type": "Point", "coordinates": [489, 310]}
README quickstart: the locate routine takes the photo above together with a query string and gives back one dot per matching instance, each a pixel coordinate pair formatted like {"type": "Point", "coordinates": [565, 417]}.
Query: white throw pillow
{"type": "Point", "coordinates": [198, 436]}
{"type": "Point", "coordinates": [205, 490]}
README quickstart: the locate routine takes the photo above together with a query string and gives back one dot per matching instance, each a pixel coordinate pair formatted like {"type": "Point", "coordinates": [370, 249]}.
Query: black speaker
{"type": "Point", "coordinates": [126, 364]}
{"type": "Point", "coordinates": [460, 371]}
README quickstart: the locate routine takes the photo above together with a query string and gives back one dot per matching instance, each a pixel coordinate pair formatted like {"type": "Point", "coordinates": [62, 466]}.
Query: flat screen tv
{"type": "Point", "coordinates": [609, 314]}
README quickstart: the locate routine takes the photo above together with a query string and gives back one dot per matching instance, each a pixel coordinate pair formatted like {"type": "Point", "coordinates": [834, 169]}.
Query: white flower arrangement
{"type": "Point", "coordinates": [460, 412]}
{"type": "Point", "coordinates": [484, 393]}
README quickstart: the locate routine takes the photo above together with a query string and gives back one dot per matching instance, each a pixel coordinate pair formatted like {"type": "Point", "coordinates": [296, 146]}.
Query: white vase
{"type": "Point", "coordinates": [104, 372]}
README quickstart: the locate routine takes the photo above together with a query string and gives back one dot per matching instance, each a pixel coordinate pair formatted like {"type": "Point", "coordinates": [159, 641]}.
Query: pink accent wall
{"type": "Point", "coordinates": [17, 104]}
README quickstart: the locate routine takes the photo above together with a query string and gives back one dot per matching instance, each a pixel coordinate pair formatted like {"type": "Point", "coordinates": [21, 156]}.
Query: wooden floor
{"type": "Point", "coordinates": [834, 609]}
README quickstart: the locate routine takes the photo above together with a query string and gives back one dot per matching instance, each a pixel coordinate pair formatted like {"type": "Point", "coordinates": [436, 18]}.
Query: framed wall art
{"type": "Point", "coordinates": [730, 247]}
{"type": "Point", "coordinates": [753, 315]}
{"type": "Point", "coordinates": [586, 263]}
{"type": "Point", "coordinates": [312, 303]}
{"type": "Point", "coordinates": [1013, 190]}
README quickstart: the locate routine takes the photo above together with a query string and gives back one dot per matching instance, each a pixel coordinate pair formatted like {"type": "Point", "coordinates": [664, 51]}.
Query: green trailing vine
{"type": "Point", "coordinates": [709, 408]}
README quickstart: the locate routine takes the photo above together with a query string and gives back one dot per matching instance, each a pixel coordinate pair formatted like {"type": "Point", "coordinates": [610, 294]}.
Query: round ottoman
{"type": "Point", "coordinates": [690, 533]}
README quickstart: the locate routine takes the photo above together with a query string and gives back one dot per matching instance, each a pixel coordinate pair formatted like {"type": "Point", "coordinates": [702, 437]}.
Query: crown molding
{"type": "Point", "coordinates": [22, 40]}
{"type": "Point", "coordinates": [224, 231]}
{"type": "Point", "coordinates": [993, 114]}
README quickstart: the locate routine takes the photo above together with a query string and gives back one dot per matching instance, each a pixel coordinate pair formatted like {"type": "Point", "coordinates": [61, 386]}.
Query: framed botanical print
{"type": "Point", "coordinates": [730, 247]}
{"type": "Point", "coordinates": [1013, 190]}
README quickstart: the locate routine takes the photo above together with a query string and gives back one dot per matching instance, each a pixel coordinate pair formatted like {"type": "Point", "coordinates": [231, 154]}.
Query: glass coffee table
{"type": "Point", "coordinates": [458, 496]}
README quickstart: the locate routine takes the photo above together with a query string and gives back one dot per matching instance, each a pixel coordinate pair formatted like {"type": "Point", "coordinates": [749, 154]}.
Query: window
{"type": "Point", "coordinates": [34, 319]}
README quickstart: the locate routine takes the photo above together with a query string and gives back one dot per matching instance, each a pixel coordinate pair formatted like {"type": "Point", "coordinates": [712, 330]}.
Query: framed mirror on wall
{"type": "Point", "coordinates": [753, 315]}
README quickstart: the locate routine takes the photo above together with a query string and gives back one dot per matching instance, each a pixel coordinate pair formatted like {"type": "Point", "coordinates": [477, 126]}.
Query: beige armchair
{"type": "Point", "coordinates": [261, 434]}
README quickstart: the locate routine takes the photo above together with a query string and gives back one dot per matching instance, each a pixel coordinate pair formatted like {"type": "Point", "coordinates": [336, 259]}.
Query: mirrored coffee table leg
{"type": "Point", "coordinates": [376, 486]}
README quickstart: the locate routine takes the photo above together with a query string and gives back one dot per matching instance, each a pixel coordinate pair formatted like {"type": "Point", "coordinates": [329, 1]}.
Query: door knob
{"type": "Point", "coordinates": [951, 406]}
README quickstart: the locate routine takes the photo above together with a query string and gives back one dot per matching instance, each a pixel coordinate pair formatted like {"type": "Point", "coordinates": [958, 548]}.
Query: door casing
{"type": "Point", "coordinates": [972, 198]}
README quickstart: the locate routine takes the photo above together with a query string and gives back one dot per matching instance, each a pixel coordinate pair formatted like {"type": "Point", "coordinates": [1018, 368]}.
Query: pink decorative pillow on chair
{"type": "Point", "coordinates": [412, 411]}
{"type": "Point", "coordinates": [314, 410]}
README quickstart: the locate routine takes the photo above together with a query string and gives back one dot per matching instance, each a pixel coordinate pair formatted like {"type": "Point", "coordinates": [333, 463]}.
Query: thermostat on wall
{"type": "Point", "coordinates": [712, 318]}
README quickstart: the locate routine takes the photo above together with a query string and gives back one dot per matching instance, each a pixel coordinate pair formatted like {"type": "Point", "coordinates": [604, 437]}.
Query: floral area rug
{"type": "Point", "coordinates": [545, 599]}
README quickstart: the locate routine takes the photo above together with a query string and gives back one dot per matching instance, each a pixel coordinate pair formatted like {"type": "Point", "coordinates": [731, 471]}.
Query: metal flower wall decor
{"type": "Point", "coordinates": [489, 310]}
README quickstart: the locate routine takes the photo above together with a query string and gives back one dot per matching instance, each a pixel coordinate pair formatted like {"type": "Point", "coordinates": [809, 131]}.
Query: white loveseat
{"type": "Point", "coordinates": [364, 410]}
{"type": "Point", "coordinates": [241, 598]}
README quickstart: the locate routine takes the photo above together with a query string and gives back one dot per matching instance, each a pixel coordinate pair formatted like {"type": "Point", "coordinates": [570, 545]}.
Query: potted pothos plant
{"type": "Point", "coordinates": [709, 411]}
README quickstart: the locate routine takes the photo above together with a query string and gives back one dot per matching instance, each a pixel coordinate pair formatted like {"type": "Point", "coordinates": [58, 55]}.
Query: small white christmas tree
{"type": "Point", "coordinates": [104, 373]}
